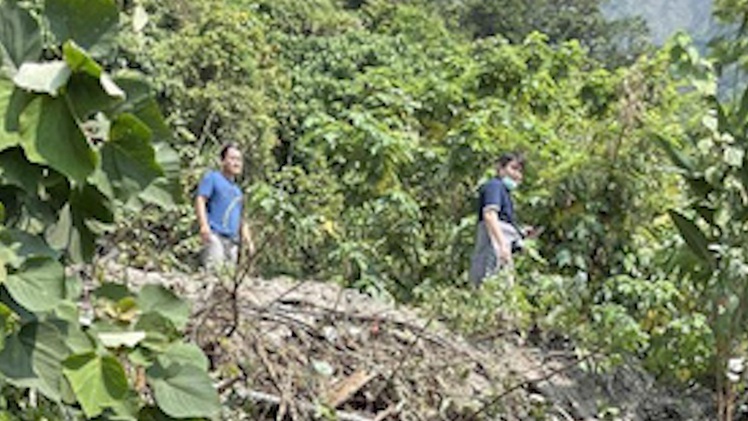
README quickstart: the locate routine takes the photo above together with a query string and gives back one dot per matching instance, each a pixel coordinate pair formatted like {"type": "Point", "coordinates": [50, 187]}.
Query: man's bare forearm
{"type": "Point", "coordinates": [494, 231]}
{"type": "Point", "coordinates": [202, 214]}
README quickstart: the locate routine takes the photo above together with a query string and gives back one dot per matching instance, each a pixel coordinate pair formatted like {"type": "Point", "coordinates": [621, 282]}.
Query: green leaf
{"type": "Point", "coordinates": [120, 339]}
{"type": "Point", "coordinates": [32, 358]}
{"type": "Point", "coordinates": [66, 321]}
{"type": "Point", "coordinates": [183, 390]}
{"type": "Point", "coordinates": [20, 38]}
{"type": "Point", "coordinates": [47, 77]}
{"type": "Point", "coordinates": [160, 331]}
{"type": "Point", "coordinates": [16, 170]}
{"type": "Point", "coordinates": [25, 246]}
{"type": "Point", "coordinates": [140, 101]}
{"type": "Point", "coordinates": [166, 191]}
{"type": "Point", "coordinates": [186, 353]}
{"type": "Point", "coordinates": [99, 382]}
{"type": "Point", "coordinates": [92, 24]}
{"type": "Point", "coordinates": [733, 156]}
{"type": "Point", "coordinates": [39, 285]}
{"type": "Point", "coordinates": [113, 292]}
{"type": "Point", "coordinates": [79, 220]}
{"type": "Point", "coordinates": [128, 157]}
{"type": "Point", "coordinates": [61, 142]}
{"type": "Point", "coordinates": [79, 60]}
{"type": "Point", "coordinates": [6, 316]}
{"type": "Point", "coordinates": [20, 118]}
{"type": "Point", "coordinates": [158, 299]}
{"type": "Point", "coordinates": [88, 97]}
{"type": "Point", "coordinates": [692, 235]}
{"type": "Point", "coordinates": [678, 158]}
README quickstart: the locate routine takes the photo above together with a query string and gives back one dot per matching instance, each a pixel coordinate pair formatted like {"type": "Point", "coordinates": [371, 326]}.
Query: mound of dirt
{"type": "Point", "coordinates": [289, 349]}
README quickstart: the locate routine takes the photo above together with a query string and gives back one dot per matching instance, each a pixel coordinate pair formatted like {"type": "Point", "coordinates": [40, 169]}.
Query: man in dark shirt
{"type": "Point", "coordinates": [497, 235]}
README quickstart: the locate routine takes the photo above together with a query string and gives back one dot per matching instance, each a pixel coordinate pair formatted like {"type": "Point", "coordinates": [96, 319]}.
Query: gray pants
{"type": "Point", "coordinates": [484, 261]}
{"type": "Point", "coordinates": [219, 252]}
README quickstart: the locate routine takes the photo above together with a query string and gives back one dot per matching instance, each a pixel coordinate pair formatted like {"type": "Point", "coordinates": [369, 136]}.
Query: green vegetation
{"type": "Point", "coordinates": [367, 127]}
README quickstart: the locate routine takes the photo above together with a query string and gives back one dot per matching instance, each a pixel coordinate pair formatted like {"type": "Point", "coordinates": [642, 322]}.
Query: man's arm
{"type": "Point", "coordinates": [501, 246]}
{"type": "Point", "coordinates": [202, 218]}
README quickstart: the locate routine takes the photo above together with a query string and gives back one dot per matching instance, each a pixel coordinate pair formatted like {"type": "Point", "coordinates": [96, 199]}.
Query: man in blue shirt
{"type": "Point", "coordinates": [497, 235]}
{"type": "Point", "coordinates": [218, 205]}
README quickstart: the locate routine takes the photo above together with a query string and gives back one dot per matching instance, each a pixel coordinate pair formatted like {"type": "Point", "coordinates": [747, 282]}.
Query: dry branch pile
{"type": "Point", "coordinates": [285, 349]}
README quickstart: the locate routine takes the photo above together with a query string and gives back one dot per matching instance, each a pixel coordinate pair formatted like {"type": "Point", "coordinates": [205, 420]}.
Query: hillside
{"type": "Point", "coordinates": [305, 347]}
{"type": "Point", "coordinates": [666, 17]}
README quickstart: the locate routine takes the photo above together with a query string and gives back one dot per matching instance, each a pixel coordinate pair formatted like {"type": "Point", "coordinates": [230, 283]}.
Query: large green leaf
{"type": "Point", "coordinates": [90, 88]}
{"type": "Point", "coordinates": [128, 157]}
{"type": "Point", "coordinates": [47, 132]}
{"type": "Point", "coordinates": [693, 236]}
{"type": "Point", "coordinates": [158, 299]}
{"type": "Point", "coordinates": [92, 24]}
{"type": "Point", "coordinates": [20, 38]}
{"type": "Point", "coordinates": [61, 142]}
{"type": "Point", "coordinates": [99, 382]}
{"type": "Point", "coordinates": [39, 285]}
{"type": "Point", "coordinates": [183, 390]}
{"type": "Point", "coordinates": [32, 358]}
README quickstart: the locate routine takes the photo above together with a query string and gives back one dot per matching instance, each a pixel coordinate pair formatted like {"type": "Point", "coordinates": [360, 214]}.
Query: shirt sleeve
{"type": "Point", "coordinates": [492, 198]}
{"type": "Point", "coordinates": [205, 188]}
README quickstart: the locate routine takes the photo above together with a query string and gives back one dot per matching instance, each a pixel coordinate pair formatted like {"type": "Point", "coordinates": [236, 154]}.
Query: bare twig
{"type": "Point", "coordinates": [306, 406]}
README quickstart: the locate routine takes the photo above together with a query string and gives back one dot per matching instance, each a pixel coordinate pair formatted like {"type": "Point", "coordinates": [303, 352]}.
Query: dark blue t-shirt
{"type": "Point", "coordinates": [223, 203]}
{"type": "Point", "coordinates": [494, 194]}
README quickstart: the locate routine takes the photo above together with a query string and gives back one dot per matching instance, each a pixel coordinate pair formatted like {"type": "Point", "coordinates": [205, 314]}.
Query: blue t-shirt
{"type": "Point", "coordinates": [223, 203]}
{"type": "Point", "coordinates": [494, 194]}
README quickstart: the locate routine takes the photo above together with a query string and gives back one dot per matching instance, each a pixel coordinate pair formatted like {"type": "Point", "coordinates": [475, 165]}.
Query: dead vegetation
{"type": "Point", "coordinates": [297, 350]}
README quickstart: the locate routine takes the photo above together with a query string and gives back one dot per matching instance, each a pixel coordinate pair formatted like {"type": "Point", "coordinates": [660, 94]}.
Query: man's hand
{"type": "Point", "coordinates": [532, 232]}
{"type": "Point", "coordinates": [246, 236]}
{"type": "Point", "coordinates": [504, 254]}
{"type": "Point", "coordinates": [205, 235]}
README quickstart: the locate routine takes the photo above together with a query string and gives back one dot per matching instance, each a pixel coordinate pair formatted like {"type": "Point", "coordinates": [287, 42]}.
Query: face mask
{"type": "Point", "coordinates": [509, 183]}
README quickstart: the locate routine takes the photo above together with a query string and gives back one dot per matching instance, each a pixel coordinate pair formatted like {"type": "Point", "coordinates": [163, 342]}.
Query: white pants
{"type": "Point", "coordinates": [219, 252]}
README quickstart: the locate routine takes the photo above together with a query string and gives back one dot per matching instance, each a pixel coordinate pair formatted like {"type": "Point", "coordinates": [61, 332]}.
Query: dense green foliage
{"type": "Point", "coordinates": [367, 127]}
{"type": "Point", "coordinates": [77, 143]}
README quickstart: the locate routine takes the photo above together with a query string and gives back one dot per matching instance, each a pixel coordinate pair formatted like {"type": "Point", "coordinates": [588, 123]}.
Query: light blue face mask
{"type": "Point", "coordinates": [509, 183]}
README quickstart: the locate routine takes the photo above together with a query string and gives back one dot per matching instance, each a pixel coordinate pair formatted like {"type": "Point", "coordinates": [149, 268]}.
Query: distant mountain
{"type": "Point", "coordinates": [666, 17]}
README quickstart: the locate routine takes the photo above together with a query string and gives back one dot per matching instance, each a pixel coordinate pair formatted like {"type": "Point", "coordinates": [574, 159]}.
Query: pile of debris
{"type": "Point", "coordinates": [288, 349]}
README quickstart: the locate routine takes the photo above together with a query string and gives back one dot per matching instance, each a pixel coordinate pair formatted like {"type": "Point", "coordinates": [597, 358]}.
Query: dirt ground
{"type": "Point", "coordinates": [289, 349]}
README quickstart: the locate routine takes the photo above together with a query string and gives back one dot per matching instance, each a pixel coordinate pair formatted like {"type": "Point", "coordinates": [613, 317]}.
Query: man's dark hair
{"type": "Point", "coordinates": [508, 157]}
{"type": "Point", "coordinates": [226, 147]}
